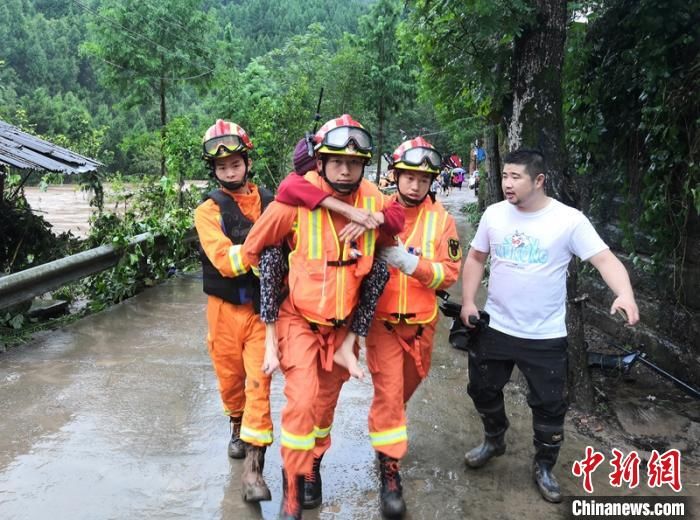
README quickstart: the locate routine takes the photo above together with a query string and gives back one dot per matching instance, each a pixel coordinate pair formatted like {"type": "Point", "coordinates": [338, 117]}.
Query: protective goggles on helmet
{"type": "Point", "coordinates": [223, 145]}
{"type": "Point", "coordinates": [340, 137]}
{"type": "Point", "coordinates": [420, 155]}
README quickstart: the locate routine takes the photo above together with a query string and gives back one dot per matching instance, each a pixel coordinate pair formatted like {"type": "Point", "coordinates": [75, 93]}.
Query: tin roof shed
{"type": "Point", "coordinates": [24, 151]}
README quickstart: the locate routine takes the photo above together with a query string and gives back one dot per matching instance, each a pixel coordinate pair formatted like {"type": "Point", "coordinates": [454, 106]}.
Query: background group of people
{"type": "Point", "coordinates": [293, 282]}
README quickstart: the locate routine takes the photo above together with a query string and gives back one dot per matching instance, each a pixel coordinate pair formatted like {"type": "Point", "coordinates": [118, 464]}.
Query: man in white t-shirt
{"type": "Point", "coordinates": [530, 238]}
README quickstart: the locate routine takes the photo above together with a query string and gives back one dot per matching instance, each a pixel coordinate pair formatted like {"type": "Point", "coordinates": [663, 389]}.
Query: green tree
{"type": "Point", "coordinates": [145, 50]}
{"type": "Point", "coordinates": [386, 82]}
{"type": "Point", "coordinates": [466, 51]}
{"type": "Point", "coordinates": [514, 55]}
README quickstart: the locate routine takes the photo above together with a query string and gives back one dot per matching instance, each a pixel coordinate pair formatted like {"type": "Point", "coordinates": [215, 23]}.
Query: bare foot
{"type": "Point", "coordinates": [346, 358]}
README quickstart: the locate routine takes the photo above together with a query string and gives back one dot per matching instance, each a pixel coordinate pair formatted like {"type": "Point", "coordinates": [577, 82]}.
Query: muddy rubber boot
{"type": "Point", "coordinates": [292, 490]}
{"type": "Point", "coordinates": [253, 485]}
{"type": "Point", "coordinates": [492, 446]}
{"type": "Point", "coordinates": [313, 495]}
{"type": "Point", "coordinates": [236, 447]}
{"type": "Point", "coordinates": [545, 458]}
{"type": "Point", "coordinates": [391, 494]}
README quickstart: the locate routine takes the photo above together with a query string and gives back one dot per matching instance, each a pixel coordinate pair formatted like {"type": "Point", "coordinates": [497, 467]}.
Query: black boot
{"type": "Point", "coordinates": [391, 494]}
{"type": "Point", "coordinates": [292, 490]}
{"type": "Point", "coordinates": [253, 486]}
{"type": "Point", "coordinates": [545, 458]}
{"type": "Point", "coordinates": [236, 447]}
{"type": "Point", "coordinates": [312, 486]}
{"type": "Point", "coordinates": [492, 446]}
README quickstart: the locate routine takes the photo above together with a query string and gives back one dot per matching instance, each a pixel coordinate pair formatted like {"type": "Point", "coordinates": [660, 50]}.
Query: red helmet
{"type": "Point", "coordinates": [418, 155]}
{"type": "Point", "coordinates": [344, 136]}
{"type": "Point", "coordinates": [225, 138]}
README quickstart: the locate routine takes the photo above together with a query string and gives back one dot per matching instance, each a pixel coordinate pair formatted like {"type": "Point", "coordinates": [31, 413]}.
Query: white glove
{"type": "Point", "coordinates": [397, 256]}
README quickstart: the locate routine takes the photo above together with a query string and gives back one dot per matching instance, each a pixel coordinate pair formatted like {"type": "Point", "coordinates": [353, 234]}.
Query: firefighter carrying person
{"type": "Point", "coordinates": [429, 225]}
{"type": "Point", "coordinates": [400, 339]}
{"type": "Point", "coordinates": [325, 275]}
{"type": "Point", "coordinates": [295, 190]}
{"type": "Point", "coordinates": [236, 337]}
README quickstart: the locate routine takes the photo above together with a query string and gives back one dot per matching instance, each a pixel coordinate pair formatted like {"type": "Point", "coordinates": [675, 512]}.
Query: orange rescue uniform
{"type": "Point", "coordinates": [400, 340]}
{"type": "Point", "coordinates": [324, 281]}
{"type": "Point", "coordinates": [236, 336]}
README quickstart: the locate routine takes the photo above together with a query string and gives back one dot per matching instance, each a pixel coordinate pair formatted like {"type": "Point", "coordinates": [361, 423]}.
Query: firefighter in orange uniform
{"type": "Point", "coordinates": [325, 274]}
{"type": "Point", "coordinates": [400, 340]}
{"type": "Point", "coordinates": [236, 336]}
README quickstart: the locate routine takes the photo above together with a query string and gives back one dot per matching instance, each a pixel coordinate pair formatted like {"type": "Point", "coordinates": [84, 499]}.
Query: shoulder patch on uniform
{"type": "Point", "coordinates": [453, 249]}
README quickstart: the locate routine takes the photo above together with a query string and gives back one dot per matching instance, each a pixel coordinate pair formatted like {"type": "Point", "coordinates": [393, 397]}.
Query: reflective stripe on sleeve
{"type": "Point", "coordinates": [438, 275]}
{"type": "Point", "coordinates": [236, 258]}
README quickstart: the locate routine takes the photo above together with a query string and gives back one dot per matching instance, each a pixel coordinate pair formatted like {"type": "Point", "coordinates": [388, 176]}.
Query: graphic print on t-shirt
{"type": "Point", "coordinates": [522, 249]}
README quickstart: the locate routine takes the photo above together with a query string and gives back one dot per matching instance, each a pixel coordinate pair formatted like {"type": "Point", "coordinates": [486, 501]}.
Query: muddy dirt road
{"type": "Point", "coordinates": [118, 417]}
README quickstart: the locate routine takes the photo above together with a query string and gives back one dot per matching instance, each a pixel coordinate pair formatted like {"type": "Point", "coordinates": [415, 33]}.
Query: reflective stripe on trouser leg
{"type": "Point", "coordinates": [225, 339]}
{"type": "Point", "coordinates": [395, 377]}
{"type": "Point", "coordinates": [298, 436]}
{"type": "Point", "coordinates": [330, 384]}
{"type": "Point", "coordinates": [299, 352]}
{"type": "Point", "coordinates": [257, 421]}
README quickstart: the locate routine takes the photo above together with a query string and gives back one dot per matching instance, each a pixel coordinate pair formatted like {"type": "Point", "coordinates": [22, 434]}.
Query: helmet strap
{"type": "Point", "coordinates": [231, 186]}
{"type": "Point", "coordinates": [408, 201]}
{"type": "Point", "coordinates": [343, 188]}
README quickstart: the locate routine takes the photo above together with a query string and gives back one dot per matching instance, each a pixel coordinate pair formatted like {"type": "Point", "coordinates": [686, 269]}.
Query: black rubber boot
{"type": "Point", "coordinates": [494, 443]}
{"type": "Point", "coordinates": [545, 458]}
{"type": "Point", "coordinates": [236, 447]}
{"type": "Point", "coordinates": [253, 486]}
{"type": "Point", "coordinates": [391, 494]}
{"type": "Point", "coordinates": [313, 493]}
{"type": "Point", "coordinates": [292, 490]}
{"type": "Point", "coordinates": [492, 446]}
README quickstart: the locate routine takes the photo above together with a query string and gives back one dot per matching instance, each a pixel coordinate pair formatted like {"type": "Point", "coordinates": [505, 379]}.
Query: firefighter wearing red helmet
{"type": "Point", "coordinates": [236, 337]}
{"type": "Point", "coordinates": [325, 274]}
{"type": "Point", "coordinates": [400, 339]}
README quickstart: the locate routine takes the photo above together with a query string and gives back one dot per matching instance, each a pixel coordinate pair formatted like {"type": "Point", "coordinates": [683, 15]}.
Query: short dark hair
{"type": "Point", "coordinates": [533, 160]}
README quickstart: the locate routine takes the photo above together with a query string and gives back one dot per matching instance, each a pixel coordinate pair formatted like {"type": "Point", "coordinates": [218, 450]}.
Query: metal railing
{"type": "Point", "coordinates": [35, 281]}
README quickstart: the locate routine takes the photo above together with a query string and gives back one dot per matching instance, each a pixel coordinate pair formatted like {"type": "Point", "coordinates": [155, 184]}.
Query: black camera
{"type": "Point", "coordinates": [463, 337]}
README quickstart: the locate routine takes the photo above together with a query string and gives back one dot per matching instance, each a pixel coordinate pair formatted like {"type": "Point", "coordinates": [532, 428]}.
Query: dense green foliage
{"type": "Point", "coordinates": [469, 47]}
{"type": "Point", "coordinates": [122, 70]}
{"type": "Point", "coordinates": [132, 83]}
{"type": "Point", "coordinates": [155, 207]}
{"type": "Point", "coordinates": [632, 73]}
{"type": "Point", "coordinates": [633, 118]}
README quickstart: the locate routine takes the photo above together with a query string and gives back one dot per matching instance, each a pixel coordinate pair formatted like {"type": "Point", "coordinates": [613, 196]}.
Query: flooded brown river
{"type": "Point", "coordinates": [117, 416]}
{"type": "Point", "coordinates": [65, 207]}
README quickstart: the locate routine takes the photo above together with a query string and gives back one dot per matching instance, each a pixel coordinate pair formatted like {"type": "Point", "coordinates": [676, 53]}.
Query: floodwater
{"type": "Point", "coordinates": [117, 416]}
{"type": "Point", "coordinates": [64, 206]}
{"type": "Point", "coordinates": [67, 208]}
